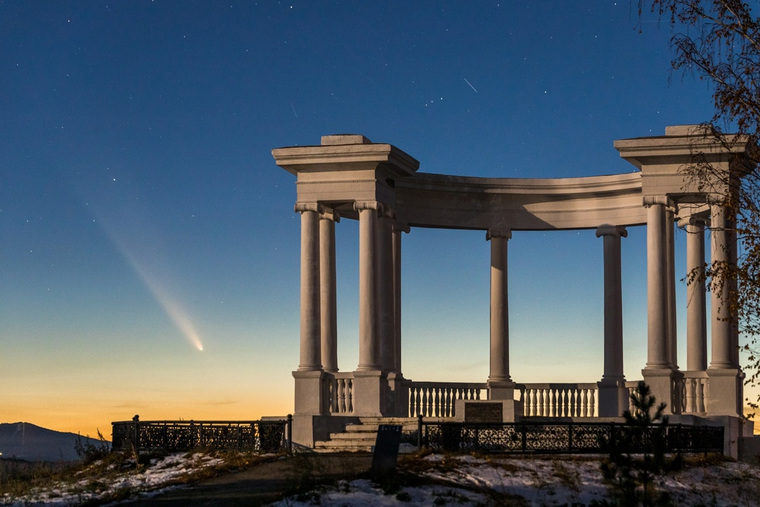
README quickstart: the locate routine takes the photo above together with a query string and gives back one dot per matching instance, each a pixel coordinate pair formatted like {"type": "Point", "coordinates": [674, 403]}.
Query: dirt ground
{"type": "Point", "coordinates": [264, 483]}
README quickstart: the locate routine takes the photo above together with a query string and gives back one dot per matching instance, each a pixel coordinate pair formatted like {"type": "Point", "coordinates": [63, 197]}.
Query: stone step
{"type": "Point", "coordinates": [364, 436]}
{"type": "Point", "coordinates": [361, 437]}
{"type": "Point", "coordinates": [374, 428]}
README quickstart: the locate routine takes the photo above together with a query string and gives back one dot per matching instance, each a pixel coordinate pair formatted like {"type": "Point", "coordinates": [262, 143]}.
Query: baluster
{"type": "Point", "coordinates": [449, 401]}
{"type": "Point", "coordinates": [592, 394]}
{"type": "Point", "coordinates": [555, 403]}
{"type": "Point", "coordinates": [699, 396]}
{"type": "Point", "coordinates": [544, 397]}
{"type": "Point", "coordinates": [584, 403]}
{"type": "Point", "coordinates": [690, 384]}
{"type": "Point", "coordinates": [350, 404]}
{"type": "Point", "coordinates": [576, 406]}
{"type": "Point", "coordinates": [564, 398]}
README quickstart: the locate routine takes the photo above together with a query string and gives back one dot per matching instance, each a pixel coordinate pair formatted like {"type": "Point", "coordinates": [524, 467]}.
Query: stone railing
{"type": "Point", "coordinates": [689, 394]}
{"type": "Point", "coordinates": [437, 399]}
{"type": "Point", "coordinates": [340, 393]}
{"type": "Point", "coordinates": [559, 400]}
{"type": "Point", "coordinates": [695, 392]}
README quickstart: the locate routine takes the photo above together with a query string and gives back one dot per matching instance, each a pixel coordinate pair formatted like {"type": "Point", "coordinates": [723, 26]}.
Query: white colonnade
{"type": "Point", "coordinates": [348, 177]}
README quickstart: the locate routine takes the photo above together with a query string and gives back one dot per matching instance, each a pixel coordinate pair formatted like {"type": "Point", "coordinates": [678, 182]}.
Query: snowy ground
{"type": "Point", "coordinates": [439, 480]}
{"type": "Point", "coordinates": [467, 480]}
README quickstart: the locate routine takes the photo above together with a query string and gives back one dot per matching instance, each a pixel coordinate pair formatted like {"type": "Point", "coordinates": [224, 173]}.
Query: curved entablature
{"type": "Point", "coordinates": [437, 200]}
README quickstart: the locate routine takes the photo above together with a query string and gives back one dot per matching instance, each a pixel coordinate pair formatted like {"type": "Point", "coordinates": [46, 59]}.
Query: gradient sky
{"type": "Point", "coordinates": [142, 216]}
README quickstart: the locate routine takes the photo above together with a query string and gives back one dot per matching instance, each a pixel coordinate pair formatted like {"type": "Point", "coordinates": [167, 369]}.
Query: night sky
{"type": "Point", "coordinates": [150, 251]}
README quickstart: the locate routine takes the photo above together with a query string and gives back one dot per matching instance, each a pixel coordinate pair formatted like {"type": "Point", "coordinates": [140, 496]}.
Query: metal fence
{"type": "Point", "coordinates": [571, 438]}
{"type": "Point", "coordinates": [258, 436]}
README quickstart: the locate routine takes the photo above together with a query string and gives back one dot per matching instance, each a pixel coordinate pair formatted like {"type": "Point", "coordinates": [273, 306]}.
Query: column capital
{"type": "Point", "coordinates": [401, 227]}
{"type": "Point", "coordinates": [300, 207]}
{"type": "Point", "coordinates": [373, 205]}
{"type": "Point", "coordinates": [698, 220]}
{"type": "Point", "coordinates": [611, 230]}
{"type": "Point", "coordinates": [651, 200]}
{"type": "Point", "coordinates": [498, 232]}
{"type": "Point", "coordinates": [329, 214]}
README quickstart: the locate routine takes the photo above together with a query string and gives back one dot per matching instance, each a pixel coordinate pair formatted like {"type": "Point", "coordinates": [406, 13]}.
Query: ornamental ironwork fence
{"type": "Point", "coordinates": [570, 438]}
{"type": "Point", "coordinates": [258, 436]}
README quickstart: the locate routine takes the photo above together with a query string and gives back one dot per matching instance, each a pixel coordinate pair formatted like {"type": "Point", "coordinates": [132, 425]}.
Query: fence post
{"type": "Point", "coordinates": [290, 433]}
{"type": "Point", "coordinates": [419, 432]}
{"type": "Point", "coordinates": [136, 442]}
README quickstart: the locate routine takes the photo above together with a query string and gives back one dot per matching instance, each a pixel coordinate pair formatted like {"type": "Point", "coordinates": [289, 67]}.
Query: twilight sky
{"type": "Point", "coordinates": [142, 216]}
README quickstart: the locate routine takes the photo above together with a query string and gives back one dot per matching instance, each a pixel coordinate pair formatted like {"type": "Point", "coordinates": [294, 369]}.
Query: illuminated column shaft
{"type": "Point", "coordinates": [310, 314]}
{"type": "Point", "coordinates": [369, 349]}
{"type": "Point", "coordinates": [671, 287]}
{"type": "Point", "coordinates": [328, 305]}
{"type": "Point", "coordinates": [499, 367]}
{"type": "Point", "coordinates": [696, 302]}
{"type": "Point", "coordinates": [397, 230]}
{"type": "Point", "coordinates": [723, 354]}
{"type": "Point", "coordinates": [613, 302]}
{"type": "Point", "coordinates": [384, 283]}
{"type": "Point", "coordinates": [657, 288]}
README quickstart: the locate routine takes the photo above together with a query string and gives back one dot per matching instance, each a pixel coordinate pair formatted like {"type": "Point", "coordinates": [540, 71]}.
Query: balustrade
{"type": "Point", "coordinates": [437, 399]}
{"type": "Point", "coordinates": [559, 400]}
{"type": "Point", "coordinates": [694, 387]}
{"type": "Point", "coordinates": [340, 393]}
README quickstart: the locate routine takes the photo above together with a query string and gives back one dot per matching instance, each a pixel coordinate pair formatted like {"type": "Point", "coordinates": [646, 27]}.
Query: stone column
{"type": "Point", "coordinates": [309, 396]}
{"type": "Point", "coordinates": [397, 230]}
{"type": "Point", "coordinates": [328, 304]}
{"type": "Point", "coordinates": [612, 391]}
{"type": "Point", "coordinates": [310, 289]}
{"type": "Point", "coordinates": [671, 287]}
{"type": "Point", "coordinates": [400, 392]}
{"type": "Point", "coordinates": [369, 349]}
{"type": "Point", "coordinates": [658, 372]}
{"type": "Point", "coordinates": [370, 382]}
{"type": "Point", "coordinates": [384, 281]}
{"type": "Point", "coordinates": [696, 304]}
{"type": "Point", "coordinates": [722, 355]}
{"type": "Point", "coordinates": [500, 385]}
{"type": "Point", "coordinates": [696, 316]}
{"type": "Point", "coordinates": [499, 370]}
{"type": "Point", "coordinates": [726, 378]}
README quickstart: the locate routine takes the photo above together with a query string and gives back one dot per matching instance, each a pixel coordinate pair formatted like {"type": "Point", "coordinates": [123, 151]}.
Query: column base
{"type": "Point", "coordinates": [371, 393]}
{"type": "Point", "coordinates": [399, 399]}
{"type": "Point", "coordinates": [725, 392]}
{"type": "Point", "coordinates": [309, 396]}
{"type": "Point", "coordinates": [613, 397]}
{"type": "Point", "coordinates": [662, 383]}
{"type": "Point", "coordinates": [501, 389]}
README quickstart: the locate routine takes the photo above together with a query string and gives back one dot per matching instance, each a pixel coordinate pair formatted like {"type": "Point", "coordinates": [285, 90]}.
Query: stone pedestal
{"type": "Point", "coordinates": [660, 382]}
{"type": "Point", "coordinates": [309, 397]}
{"type": "Point", "coordinates": [371, 393]}
{"type": "Point", "coordinates": [725, 392]}
{"type": "Point", "coordinates": [309, 402]}
{"type": "Point", "coordinates": [501, 390]}
{"type": "Point", "coordinates": [613, 398]}
{"type": "Point", "coordinates": [399, 395]}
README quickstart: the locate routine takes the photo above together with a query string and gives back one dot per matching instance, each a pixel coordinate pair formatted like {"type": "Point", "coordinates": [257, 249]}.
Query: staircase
{"type": "Point", "coordinates": [361, 437]}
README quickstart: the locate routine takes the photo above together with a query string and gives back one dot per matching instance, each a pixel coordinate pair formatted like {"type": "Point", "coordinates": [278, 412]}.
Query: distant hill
{"type": "Point", "coordinates": [32, 443]}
